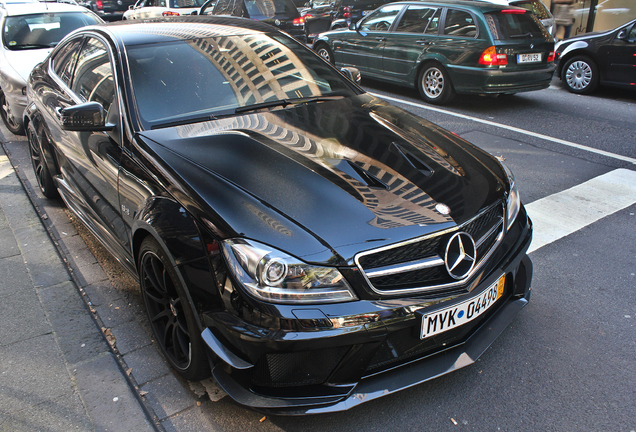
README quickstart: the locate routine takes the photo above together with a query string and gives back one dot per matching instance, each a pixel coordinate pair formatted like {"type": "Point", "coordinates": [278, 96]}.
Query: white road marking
{"type": "Point", "coordinates": [566, 212]}
{"type": "Point", "coordinates": [5, 167]}
{"type": "Point", "coordinates": [512, 128]}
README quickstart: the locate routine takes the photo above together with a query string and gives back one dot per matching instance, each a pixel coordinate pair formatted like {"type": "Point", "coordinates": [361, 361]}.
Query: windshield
{"type": "Point", "coordinates": [42, 30]}
{"type": "Point", "coordinates": [506, 26]}
{"type": "Point", "coordinates": [226, 75]}
{"type": "Point", "coordinates": [270, 8]}
{"type": "Point", "coordinates": [534, 6]}
{"type": "Point", "coordinates": [186, 3]}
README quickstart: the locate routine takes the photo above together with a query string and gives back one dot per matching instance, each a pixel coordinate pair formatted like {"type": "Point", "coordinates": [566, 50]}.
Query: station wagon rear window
{"type": "Point", "coordinates": [505, 26]}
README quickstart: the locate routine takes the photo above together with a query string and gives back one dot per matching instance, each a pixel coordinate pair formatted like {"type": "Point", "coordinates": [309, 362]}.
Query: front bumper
{"type": "Point", "coordinates": [327, 369]}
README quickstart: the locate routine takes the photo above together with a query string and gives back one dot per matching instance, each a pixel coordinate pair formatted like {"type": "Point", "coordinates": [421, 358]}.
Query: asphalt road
{"type": "Point", "coordinates": [567, 362]}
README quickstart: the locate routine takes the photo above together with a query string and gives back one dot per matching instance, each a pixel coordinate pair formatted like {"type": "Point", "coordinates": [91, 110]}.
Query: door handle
{"type": "Point", "coordinates": [381, 39]}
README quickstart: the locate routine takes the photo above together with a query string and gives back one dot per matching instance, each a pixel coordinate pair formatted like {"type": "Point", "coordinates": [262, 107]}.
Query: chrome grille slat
{"type": "Point", "coordinates": [415, 266]}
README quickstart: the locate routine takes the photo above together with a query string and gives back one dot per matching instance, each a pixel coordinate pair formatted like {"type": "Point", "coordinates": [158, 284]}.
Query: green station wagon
{"type": "Point", "coordinates": [443, 48]}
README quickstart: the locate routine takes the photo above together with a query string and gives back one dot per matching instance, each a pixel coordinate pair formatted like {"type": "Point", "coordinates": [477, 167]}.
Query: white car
{"type": "Point", "coordinates": [159, 8]}
{"type": "Point", "coordinates": [30, 31]}
{"type": "Point", "coordinates": [534, 6]}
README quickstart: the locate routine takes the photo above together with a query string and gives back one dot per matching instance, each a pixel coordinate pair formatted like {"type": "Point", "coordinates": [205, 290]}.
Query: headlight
{"type": "Point", "coordinates": [513, 203]}
{"type": "Point", "coordinates": [273, 276]}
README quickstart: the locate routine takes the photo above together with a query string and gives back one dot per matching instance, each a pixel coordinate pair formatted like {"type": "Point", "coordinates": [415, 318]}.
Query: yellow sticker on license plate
{"type": "Point", "coordinates": [451, 317]}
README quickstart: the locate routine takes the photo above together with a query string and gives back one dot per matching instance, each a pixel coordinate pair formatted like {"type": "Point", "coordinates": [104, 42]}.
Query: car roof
{"type": "Point", "coordinates": [483, 6]}
{"type": "Point", "coordinates": [133, 32]}
{"type": "Point", "coordinates": [38, 8]}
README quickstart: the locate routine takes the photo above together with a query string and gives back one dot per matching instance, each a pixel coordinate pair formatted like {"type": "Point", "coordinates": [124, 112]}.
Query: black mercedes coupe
{"type": "Point", "coordinates": [310, 245]}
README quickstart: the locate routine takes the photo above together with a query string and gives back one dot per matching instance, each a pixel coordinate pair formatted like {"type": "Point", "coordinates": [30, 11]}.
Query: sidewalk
{"type": "Point", "coordinates": [58, 373]}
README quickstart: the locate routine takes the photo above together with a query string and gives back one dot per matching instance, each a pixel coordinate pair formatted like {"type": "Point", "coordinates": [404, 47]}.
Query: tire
{"type": "Point", "coordinates": [7, 117]}
{"type": "Point", "coordinates": [169, 312]}
{"type": "Point", "coordinates": [580, 75]}
{"type": "Point", "coordinates": [434, 84]}
{"type": "Point", "coordinates": [40, 168]}
{"type": "Point", "coordinates": [324, 52]}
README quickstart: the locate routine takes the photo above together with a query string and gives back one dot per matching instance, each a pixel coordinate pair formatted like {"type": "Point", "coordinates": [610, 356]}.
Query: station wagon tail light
{"type": "Point", "coordinates": [298, 21]}
{"type": "Point", "coordinates": [170, 13]}
{"type": "Point", "coordinates": [99, 4]}
{"type": "Point", "coordinates": [490, 57]}
{"type": "Point", "coordinates": [273, 276]}
{"type": "Point", "coordinates": [346, 12]}
{"type": "Point", "coordinates": [551, 57]}
{"type": "Point", "coordinates": [513, 11]}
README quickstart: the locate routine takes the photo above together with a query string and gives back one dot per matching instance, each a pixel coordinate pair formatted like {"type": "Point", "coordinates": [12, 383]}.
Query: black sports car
{"type": "Point", "coordinates": [607, 58]}
{"type": "Point", "coordinates": [312, 245]}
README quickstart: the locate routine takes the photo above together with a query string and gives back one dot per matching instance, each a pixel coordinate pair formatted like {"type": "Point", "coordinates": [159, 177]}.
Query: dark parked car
{"type": "Point", "coordinates": [343, 12]}
{"type": "Point", "coordinates": [281, 14]}
{"type": "Point", "coordinates": [607, 58]}
{"type": "Point", "coordinates": [313, 245]}
{"type": "Point", "coordinates": [109, 10]}
{"type": "Point", "coordinates": [443, 48]}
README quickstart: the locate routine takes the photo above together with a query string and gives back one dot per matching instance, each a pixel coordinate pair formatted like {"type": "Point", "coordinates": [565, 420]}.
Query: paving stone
{"type": "Point", "coordinates": [13, 275]}
{"type": "Point", "coordinates": [77, 335]}
{"type": "Point", "coordinates": [107, 396]}
{"type": "Point", "coordinates": [64, 413]}
{"type": "Point", "coordinates": [102, 293]}
{"type": "Point", "coordinates": [22, 317]}
{"type": "Point", "coordinates": [45, 265]}
{"type": "Point", "coordinates": [130, 336]}
{"type": "Point", "coordinates": [147, 364]}
{"type": "Point", "coordinates": [168, 396]}
{"type": "Point", "coordinates": [4, 223]}
{"type": "Point", "coordinates": [115, 313]}
{"type": "Point", "coordinates": [17, 207]}
{"type": "Point", "coordinates": [8, 245]}
{"type": "Point", "coordinates": [90, 274]}
{"type": "Point", "coordinates": [32, 372]}
{"type": "Point", "coordinates": [194, 419]}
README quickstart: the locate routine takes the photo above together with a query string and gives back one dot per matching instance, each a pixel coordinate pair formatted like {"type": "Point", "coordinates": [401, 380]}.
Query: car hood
{"type": "Point", "coordinates": [326, 180]}
{"type": "Point", "coordinates": [23, 61]}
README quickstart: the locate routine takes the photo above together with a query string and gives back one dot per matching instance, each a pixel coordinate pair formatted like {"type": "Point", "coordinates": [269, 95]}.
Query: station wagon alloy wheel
{"type": "Point", "coordinates": [435, 85]}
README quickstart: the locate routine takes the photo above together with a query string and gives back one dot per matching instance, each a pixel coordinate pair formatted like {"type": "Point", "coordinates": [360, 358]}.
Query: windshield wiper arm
{"type": "Point", "coordinates": [192, 120]}
{"type": "Point", "coordinates": [525, 35]}
{"type": "Point", "coordinates": [284, 102]}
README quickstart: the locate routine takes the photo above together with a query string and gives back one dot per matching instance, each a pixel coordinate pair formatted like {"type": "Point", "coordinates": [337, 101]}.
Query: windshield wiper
{"type": "Point", "coordinates": [525, 35]}
{"type": "Point", "coordinates": [192, 120]}
{"type": "Point", "coordinates": [284, 102]}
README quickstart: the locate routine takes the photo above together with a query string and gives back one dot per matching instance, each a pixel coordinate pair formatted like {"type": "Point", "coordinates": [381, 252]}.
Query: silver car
{"type": "Point", "coordinates": [30, 31]}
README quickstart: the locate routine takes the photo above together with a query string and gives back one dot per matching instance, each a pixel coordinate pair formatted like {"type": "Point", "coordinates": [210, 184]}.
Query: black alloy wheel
{"type": "Point", "coordinates": [41, 170]}
{"type": "Point", "coordinates": [580, 75]}
{"type": "Point", "coordinates": [170, 314]}
{"type": "Point", "coordinates": [324, 52]}
{"type": "Point", "coordinates": [7, 117]}
{"type": "Point", "coordinates": [435, 85]}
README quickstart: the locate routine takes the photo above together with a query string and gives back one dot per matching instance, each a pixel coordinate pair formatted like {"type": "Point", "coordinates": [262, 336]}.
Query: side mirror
{"type": "Point", "coordinates": [352, 73]}
{"type": "Point", "coordinates": [353, 26]}
{"type": "Point", "coordinates": [89, 116]}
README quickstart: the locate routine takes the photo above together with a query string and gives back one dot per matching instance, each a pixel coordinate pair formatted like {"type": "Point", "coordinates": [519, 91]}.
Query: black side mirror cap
{"type": "Point", "coordinates": [89, 116]}
{"type": "Point", "coordinates": [352, 73]}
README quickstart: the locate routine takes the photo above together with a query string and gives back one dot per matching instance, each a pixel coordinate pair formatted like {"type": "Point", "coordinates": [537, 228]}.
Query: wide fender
{"type": "Point", "coordinates": [577, 45]}
{"type": "Point", "coordinates": [34, 116]}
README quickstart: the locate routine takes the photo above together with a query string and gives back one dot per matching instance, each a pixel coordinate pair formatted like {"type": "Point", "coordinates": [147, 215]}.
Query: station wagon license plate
{"type": "Point", "coordinates": [529, 58]}
{"type": "Point", "coordinates": [454, 316]}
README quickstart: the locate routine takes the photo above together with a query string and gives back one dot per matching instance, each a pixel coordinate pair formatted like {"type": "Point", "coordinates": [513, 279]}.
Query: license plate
{"type": "Point", "coordinates": [454, 316]}
{"type": "Point", "coordinates": [529, 58]}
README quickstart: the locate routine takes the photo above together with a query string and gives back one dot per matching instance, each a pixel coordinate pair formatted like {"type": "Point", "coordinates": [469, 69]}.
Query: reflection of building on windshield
{"type": "Point", "coordinates": [257, 69]}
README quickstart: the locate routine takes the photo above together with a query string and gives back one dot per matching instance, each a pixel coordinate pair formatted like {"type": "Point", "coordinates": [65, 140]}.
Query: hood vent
{"type": "Point", "coordinates": [414, 161]}
{"type": "Point", "coordinates": [367, 178]}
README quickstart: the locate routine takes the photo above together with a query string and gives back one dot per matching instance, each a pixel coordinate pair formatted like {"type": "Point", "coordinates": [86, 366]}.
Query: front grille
{"type": "Point", "coordinates": [417, 266]}
{"type": "Point", "coordinates": [297, 368]}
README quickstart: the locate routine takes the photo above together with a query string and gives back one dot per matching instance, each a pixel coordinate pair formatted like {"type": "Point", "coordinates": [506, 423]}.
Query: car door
{"type": "Point", "coordinates": [412, 36]}
{"type": "Point", "coordinates": [620, 57]}
{"type": "Point", "coordinates": [363, 47]}
{"type": "Point", "coordinates": [90, 160]}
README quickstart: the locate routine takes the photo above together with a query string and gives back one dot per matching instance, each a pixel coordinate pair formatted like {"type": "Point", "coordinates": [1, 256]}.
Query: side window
{"type": "Point", "coordinates": [433, 25]}
{"type": "Point", "coordinates": [459, 23]}
{"type": "Point", "coordinates": [64, 60]}
{"type": "Point", "coordinates": [94, 74]}
{"type": "Point", "coordinates": [381, 19]}
{"type": "Point", "coordinates": [415, 19]}
{"type": "Point", "coordinates": [632, 34]}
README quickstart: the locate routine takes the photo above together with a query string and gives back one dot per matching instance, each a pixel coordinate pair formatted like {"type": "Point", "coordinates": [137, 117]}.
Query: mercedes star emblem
{"type": "Point", "coordinates": [461, 255]}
